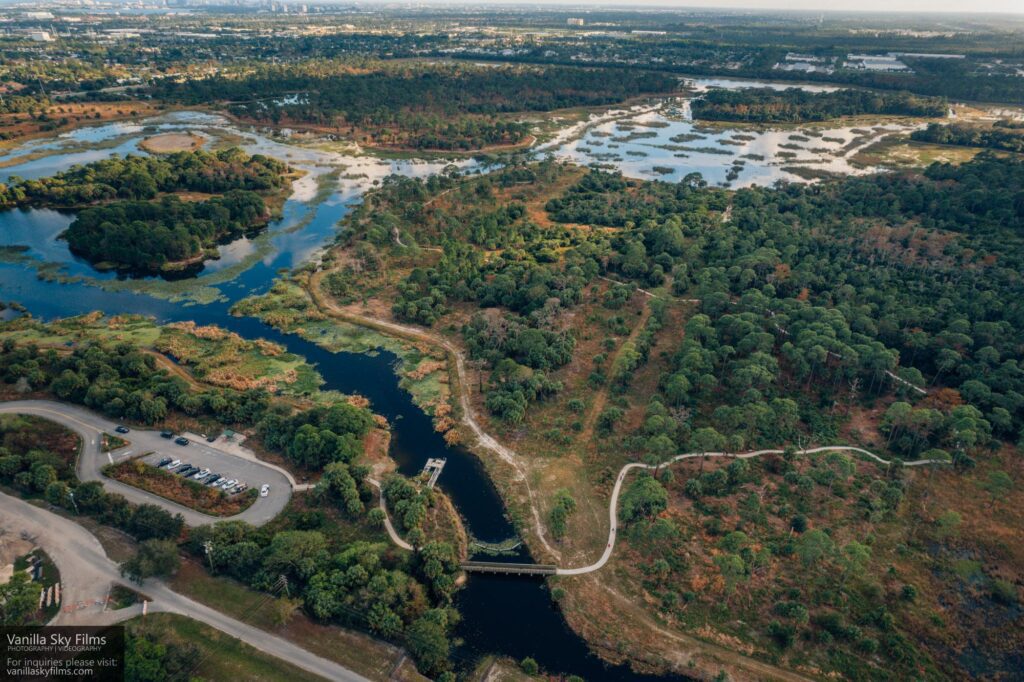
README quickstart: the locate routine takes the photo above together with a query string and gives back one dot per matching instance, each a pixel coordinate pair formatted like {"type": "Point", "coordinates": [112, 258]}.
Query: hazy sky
{"type": "Point", "coordinates": [962, 6]}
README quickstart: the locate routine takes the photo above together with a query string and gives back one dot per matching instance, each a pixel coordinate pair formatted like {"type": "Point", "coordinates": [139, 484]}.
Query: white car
{"type": "Point", "coordinates": [175, 464]}
{"type": "Point", "coordinates": [202, 473]}
{"type": "Point", "coordinates": [231, 483]}
{"type": "Point", "coordinates": [265, 490]}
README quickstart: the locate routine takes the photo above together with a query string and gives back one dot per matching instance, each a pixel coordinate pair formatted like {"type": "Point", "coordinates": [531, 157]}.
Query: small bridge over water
{"type": "Point", "coordinates": [504, 568]}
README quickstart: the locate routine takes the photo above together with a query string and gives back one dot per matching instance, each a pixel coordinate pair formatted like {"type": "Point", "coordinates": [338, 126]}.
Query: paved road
{"type": "Point", "coordinates": [87, 575]}
{"type": "Point", "coordinates": [613, 505]}
{"type": "Point", "coordinates": [90, 425]}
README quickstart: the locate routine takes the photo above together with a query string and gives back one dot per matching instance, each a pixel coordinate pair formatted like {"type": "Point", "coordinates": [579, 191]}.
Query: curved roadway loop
{"type": "Point", "coordinates": [90, 427]}
{"type": "Point", "coordinates": [87, 575]}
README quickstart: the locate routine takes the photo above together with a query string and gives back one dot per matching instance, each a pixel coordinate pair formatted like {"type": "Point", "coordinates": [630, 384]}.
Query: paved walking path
{"type": "Point", "coordinates": [613, 505]}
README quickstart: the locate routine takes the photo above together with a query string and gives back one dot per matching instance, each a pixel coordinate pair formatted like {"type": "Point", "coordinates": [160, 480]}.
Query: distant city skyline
{"type": "Point", "coordinates": [867, 6]}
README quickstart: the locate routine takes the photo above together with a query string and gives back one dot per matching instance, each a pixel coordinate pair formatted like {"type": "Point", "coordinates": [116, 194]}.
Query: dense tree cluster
{"type": "Point", "coordinates": [122, 381]}
{"type": "Point", "coordinates": [150, 236]}
{"type": "Point", "coordinates": [424, 106]}
{"type": "Point", "coordinates": [766, 105]}
{"type": "Point", "coordinates": [607, 198]}
{"type": "Point", "coordinates": [146, 177]}
{"type": "Point", "coordinates": [37, 472]}
{"type": "Point", "coordinates": [1003, 138]}
{"type": "Point", "coordinates": [139, 223]}
{"type": "Point", "coordinates": [319, 436]}
{"type": "Point", "coordinates": [399, 596]}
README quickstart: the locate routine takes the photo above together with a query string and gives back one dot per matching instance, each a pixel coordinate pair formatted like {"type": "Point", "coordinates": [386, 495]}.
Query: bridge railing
{"type": "Point", "coordinates": [505, 568]}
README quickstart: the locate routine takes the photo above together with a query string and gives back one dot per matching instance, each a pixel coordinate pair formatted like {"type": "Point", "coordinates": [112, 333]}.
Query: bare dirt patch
{"type": "Point", "coordinates": [169, 143]}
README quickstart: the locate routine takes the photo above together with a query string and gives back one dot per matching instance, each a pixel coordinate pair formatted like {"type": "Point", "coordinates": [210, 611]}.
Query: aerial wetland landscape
{"type": "Point", "coordinates": [452, 343]}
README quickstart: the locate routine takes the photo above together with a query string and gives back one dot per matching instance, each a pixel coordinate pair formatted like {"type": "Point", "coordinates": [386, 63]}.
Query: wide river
{"type": "Point", "coordinates": [501, 615]}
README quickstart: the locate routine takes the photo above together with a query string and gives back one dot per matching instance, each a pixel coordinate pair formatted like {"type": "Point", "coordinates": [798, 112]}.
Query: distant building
{"type": "Point", "coordinates": [876, 62]}
{"type": "Point", "coordinates": [575, 21]}
{"type": "Point", "coordinates": [41, 36]}
{"type": "Point", "coordinates": [38, 15]}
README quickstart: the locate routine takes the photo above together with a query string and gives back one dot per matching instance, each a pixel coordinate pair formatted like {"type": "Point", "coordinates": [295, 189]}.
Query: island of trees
{"type": "Point", "coordinates": [158, 213]}
{"type": "Point", "coordinates": [795, 105]}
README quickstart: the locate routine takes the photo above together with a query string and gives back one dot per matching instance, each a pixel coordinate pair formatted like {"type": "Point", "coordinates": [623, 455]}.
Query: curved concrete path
{"type": "Point", "coordinates": [392, 533]}
{"type": "Point", "coordinates": [89, 426]}
{"type": "Point", "coordinates": [613, 505]}
{"type": "Point", "coordinates": [87, 575]}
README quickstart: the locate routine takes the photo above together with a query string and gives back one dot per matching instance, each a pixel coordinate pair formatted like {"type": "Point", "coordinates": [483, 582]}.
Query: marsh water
{"type": "Point", "coordinates": [501, 615]}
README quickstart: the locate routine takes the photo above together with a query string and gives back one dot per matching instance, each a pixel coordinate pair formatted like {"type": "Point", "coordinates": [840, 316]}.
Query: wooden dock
{"type": "Point", "coordinates": [433, 469]}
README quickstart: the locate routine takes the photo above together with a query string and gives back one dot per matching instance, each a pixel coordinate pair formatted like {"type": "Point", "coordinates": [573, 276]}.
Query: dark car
{"type": "Point", "coordinates": [167, 434]}
{"type": "Point", "coordinates": [210, 439]}
{"type": "Point", "coordinates": [213, 479]}
{"type": "Point", "coordinates": [181, 440]}
{"type": "Point", "coordinates": [122, 429]}
{"type": "Point", "coordinates": [164, 462]}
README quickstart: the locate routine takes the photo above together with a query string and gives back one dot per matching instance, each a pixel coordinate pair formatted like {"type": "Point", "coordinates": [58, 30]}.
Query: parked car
{"type": "Point", "coordinates": [212, 480]}
{"type": "Point", "coordinates": [265, 490]}
{"type": "Point", "coordinates": [167, 434]}
{"type": "Point", "coordinates": [122, 429]}
{"type": "Point", "coordinates": [186, 470]}
{"type": "Point", "coordinates": [240, 488]}
{"type": "Point", "coordinates": [211, 438]}
{"type": "Point", "coordinates": [231, 483]}
{"type": "Point", "coordinates": [202, 473]}
{"type": "Point", "coordinates": [181, 440]}
{"type": "Point", "coordinates": [164, 462]}
{"type": "Point", "coordinates": [174, 464]}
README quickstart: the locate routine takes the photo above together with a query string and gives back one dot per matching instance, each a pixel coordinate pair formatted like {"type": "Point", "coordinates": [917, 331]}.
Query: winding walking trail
{"type": "Point", "coordinates": [328, 307]}
{"type": "Point", "coordinates": [614, 503]}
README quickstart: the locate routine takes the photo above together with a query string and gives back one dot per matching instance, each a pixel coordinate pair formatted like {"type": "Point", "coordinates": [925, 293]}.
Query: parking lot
{"type": "Point", "coordinates": [228, 467]}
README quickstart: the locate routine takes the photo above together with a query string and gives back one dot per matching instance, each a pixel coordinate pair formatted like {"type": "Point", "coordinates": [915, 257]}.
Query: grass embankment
{"type": "Point", "coordinates": [214, 356]}
{"type": "Point", "coordinates": [356, 651]}
{"type": "Point", "coordinates": [122, 597]}
{"type": "Point", "coordinates": [186, 492]}
{"type": "Point", "coordinates": [110, 442]}
{"type": "Point", "coordinates": [21, 433]}
{"type": "Point", "coordinates": [217, 656]}
{"type": "Point", "coordinates": [288, 307]}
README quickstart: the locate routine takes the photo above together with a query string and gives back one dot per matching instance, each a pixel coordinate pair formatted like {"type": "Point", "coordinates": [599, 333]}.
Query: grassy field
{"type": "Point", "coordinates": [288, 307]}
{"type": "Point", "coordinates": [22, 433]}
{"type": "Point", "coordinates": [899, 152]}
{"type": "Point", "coordinates": [212, 356]}
{"type": "Point", "coordinates": [219, 656]}
{"type": "Point", "coordinates": [359, 652]}
{"type": "Point", "coordinates": [222, 358]}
